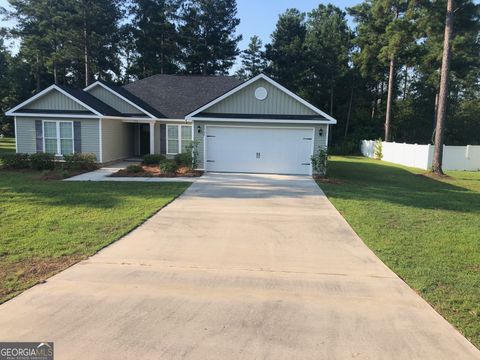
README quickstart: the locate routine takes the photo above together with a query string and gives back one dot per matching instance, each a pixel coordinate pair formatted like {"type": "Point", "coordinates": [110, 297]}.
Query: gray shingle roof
{"type": "Point", "coordinates": [178, 95]}
{"type": "Point", "coordinates": [137, 101]}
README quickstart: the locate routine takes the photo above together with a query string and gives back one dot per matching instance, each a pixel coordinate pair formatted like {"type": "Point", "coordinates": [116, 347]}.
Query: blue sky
{"type": "Point", "coordinates": [258, 17]}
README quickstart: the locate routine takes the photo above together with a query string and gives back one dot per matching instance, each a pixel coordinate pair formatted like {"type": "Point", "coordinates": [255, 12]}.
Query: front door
{"type": "Point", "coordinates": [144, 139]}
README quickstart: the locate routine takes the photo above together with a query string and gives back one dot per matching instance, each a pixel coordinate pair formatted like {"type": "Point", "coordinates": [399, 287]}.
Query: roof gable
{"type": "Point", "coordinates": [241, 102]}
{"type": "Point", "coordinates": [53, 99]}
{"type": "Point", "coordinates": [244, 101]}
{"type": "Point", "coordinates": [122, 100]}
{"type": "Point", "coordinates": [58, 99]}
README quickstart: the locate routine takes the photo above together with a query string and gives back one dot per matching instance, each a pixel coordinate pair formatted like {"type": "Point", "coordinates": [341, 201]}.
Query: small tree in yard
{"type": "Point", "coordinates": [320, 162]}
{"type": "Point", "coordinates": [192, 148]}
{"type": "Point", "coordinates": [377, 149]}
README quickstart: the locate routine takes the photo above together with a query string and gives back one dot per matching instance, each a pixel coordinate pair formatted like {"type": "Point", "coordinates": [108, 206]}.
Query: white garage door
{"type": "Point", "coordinates": [259, 150]}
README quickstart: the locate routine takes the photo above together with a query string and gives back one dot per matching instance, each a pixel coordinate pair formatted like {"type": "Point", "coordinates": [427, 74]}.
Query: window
{"type": "Point", "coordinates": [58, 137]}
{"type": "Point", "coordinates": [178, 138]}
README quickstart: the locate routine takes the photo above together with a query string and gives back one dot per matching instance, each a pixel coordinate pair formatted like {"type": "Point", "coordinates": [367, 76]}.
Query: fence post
{"type": "Point", "coordinates": [467, 152]}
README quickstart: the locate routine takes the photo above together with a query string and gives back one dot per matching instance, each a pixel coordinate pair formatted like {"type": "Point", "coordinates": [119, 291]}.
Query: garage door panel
{"type": "Point", "coordinates": [257, 149]}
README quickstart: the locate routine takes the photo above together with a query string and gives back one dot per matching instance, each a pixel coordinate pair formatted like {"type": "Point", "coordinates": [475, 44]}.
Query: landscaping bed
{"type": "Point", "coordinates": [154, 171]}
{"type": "Point", "coordinates": [157, 165]}
{"type": "Point", "coordinates": [46, 166]}
{"type": "Point", "coordinates": [425, 228]}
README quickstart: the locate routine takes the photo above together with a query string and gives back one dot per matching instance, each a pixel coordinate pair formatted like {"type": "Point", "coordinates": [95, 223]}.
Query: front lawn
{"type": "Point", "coordinates": [426, 230]}
{"type": "Point", "coordinates": [48, 225]}
{"type": "Point", "coordinates": [7, 145]}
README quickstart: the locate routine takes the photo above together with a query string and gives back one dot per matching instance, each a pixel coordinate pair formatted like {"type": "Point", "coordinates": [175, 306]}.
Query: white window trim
{"type": "Point", "coordinates": [179, 137]}
{"type": "Point", "coordinates": [59, 145]}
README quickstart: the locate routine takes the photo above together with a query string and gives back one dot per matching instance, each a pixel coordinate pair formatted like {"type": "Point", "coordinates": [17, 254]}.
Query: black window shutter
{"type": "Point", "coordinates": [163, 139]}
{"type": "Point", "coordinates": [77, 136]}
{"type": "Point", "coordinates": [39, 135]}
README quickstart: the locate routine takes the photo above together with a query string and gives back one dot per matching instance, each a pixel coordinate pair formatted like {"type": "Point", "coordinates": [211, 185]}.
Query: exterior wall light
{"type": "Point", "coordinates": [199, 129]}
{"type": "Point", "coordinates": [320, 132]}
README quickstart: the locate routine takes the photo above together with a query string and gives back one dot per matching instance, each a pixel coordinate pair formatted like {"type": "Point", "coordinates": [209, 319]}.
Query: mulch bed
{"type": "Point", "coordinates": [154, 171]}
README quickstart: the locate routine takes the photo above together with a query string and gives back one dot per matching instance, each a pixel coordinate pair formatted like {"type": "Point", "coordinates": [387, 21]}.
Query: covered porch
{"type": "Point", "coordinates": [135, 138]}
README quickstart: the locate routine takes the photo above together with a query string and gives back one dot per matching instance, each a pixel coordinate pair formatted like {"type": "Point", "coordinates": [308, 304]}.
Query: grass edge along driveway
{"type": "Point", "coordinates": [47, 226]}
{"type": "Point", "coordinates": [427, 230]}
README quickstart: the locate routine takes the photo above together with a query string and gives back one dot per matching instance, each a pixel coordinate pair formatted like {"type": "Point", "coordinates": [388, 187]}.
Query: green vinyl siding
{"type": "Point", "coordinates": [319, 142]}
{"type": "Point", "coordinates": [113, 100]}
{"type": "Point", "coordinates": [26, 136]}
{"type": "Point", "coordinates": [117, 140]}
{"type": "Point", "coordinates": [244, 102]}
{"type": "Point", "coordinates": [55, 100]}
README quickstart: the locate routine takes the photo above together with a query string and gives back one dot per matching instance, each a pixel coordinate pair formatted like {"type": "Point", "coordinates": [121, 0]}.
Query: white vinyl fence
{"type": "Point", "coordinates": [421, 156]}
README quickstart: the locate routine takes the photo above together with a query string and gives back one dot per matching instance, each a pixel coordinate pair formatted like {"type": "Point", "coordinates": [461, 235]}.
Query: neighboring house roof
{"type": "Point", "coordinates": [123, 92]}
{"type": "Point", "coordinates": [178, 95]}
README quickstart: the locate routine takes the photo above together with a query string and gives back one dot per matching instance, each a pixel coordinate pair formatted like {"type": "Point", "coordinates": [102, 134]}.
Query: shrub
{"type": "Point", "coordinates": [184, 159]}
{"type": "Point", "coordinates": [80, 162]}
{"type": "Point", "coordinates": [168, 167]}
{"type": "Point", "coordinates": [320, 162]}
{"type": "Point", "coordinates": [377, 150]}
{"type": "Point", "coordinates": [134, 169]}
{"type": "Point", "coordinates": [15, 161]}
{"type": "Point", "coordinates": [192, 149]}
{"type": "Point", "coordinates": [42, 161]}
{"type": "Point", "coordinates": [153, 159]}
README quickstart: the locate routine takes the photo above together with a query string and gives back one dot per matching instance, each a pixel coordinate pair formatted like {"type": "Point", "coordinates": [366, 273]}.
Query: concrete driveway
{"type": "Point", "coordinates": [239, 267]}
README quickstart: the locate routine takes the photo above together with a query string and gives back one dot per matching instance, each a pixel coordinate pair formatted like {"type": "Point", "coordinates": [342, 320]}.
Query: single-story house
{"type": "Point", "coordinates": [252, 126]}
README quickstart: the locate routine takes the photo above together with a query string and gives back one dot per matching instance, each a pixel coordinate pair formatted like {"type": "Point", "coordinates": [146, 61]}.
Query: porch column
{"type": "Point", "coordinates": [152, 137]}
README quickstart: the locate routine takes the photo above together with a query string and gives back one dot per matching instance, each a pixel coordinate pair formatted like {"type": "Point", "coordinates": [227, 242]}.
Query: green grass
{"type": "Point", "coordinates": [48, 225]}
{"type": "Point", "coordinates": [427, 230]}
{"type": "Point", "coordinates": [7, 145]}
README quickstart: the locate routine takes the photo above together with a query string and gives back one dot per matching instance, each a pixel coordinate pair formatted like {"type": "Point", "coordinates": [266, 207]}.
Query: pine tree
{"type": "Point", "coordinates": [286, 52]}
{"type": "Point", "coordinates": [443, 93]}
{"type": "Point", "coordinates": [396, 35]}
{"type": "Point", "coordinates": [155, 37]}
{"type": "Point", "coordinates": [328, 43]}
{"type": "Point", "coordinates": [207, 36]}
{"type": "Point", "coordinates": [97, 38]}
{"type": "Point", "coordinates": [44, 27]}
{"type": "Point", "coordinates": [253, 59]}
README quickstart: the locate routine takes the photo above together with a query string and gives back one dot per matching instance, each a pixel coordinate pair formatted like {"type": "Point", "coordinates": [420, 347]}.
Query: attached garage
{"type": "Point", "coordinates": [259, 127]}
{"type": "Point", "coordinates": [259, 149]}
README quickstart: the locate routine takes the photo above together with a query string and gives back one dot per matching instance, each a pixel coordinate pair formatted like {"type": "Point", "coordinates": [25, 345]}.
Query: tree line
{"type": "Point", "coordinates": [380, 78]}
